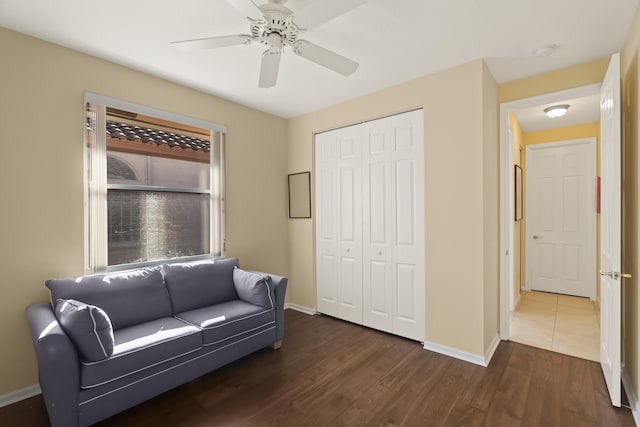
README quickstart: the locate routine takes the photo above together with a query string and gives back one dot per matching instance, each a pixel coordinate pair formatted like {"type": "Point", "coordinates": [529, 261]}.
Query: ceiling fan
{"type": "Point", "coordinates": [277, 26]}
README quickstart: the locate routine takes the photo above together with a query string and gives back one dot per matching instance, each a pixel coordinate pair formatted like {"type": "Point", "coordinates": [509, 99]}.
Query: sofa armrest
{"type": "Point", "coordinates": [279, 285]}
{"type": "Point", "coordinates": [58, 365]}
{"type": "Point", "coordinates": [280, 289]}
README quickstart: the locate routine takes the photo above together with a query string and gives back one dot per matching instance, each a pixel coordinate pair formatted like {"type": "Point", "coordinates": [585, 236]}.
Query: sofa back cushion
{"type": "Point", "coordinates": [89, 328]}
{"type": "Point", "coordinates": [200, 283]}
{"type": "Point", "coordinates": [253, 287]}
{"type": "Point", "coordinates": [128, 298]}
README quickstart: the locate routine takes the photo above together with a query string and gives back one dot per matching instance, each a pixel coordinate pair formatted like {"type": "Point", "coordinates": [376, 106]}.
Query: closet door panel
{"type": "Point", "coordinates": [327, 278]}
{"type": "Point", "coordinates": [378, 198]}
{"type": "Point", "coordinates": [348, 202]}
{"type": "Point", "coordinates": [405, 199]}
{"type": "Point", "coordinates": [349, 189]}
{"type": "Point", "coordinates": [377, 292]}
{"type": "Point", "coordinates": [378, 278]}
{"type": "Point", "coordinates": [405, 292]}
{"type": "Point", "coordinates": [350, 270]}
{"type": "Point", "coordinates": [407, 159]}
{"type": "Point", "coordinates": [326, 205]}
{"type": "Point", "coordinates": [327, 284]}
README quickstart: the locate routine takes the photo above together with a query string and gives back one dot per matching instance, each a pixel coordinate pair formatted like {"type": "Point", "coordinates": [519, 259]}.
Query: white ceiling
{"type": "Point", "coordinates": [393, 40]}
{"type": "Point", "coordinates": [581, 110]}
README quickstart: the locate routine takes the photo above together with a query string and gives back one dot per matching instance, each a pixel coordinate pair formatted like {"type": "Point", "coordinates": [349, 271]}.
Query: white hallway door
{"type": "Point", "coordinates": [561, 218]}
{"type": "Point", "coordinates": [610, 223]}
{"type": "Point", "coordinates": [370, 224]}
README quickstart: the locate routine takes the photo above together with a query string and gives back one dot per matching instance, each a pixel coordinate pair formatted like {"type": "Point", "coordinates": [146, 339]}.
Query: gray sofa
{"type": "Point", "coordinates": [149, 330]}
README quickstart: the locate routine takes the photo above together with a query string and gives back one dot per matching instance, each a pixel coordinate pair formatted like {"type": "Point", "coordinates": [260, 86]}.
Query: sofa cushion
{"type": "Point", "coordinates": [200, 283]}
{"type": "Point", "coordinates": [128, 298]}
{"type": "Point", "coordinates": [229, 321]}
{"type": "Point", "coordinates": [88, 327]}
{"type": "Point", "coordinates": [253, 287]}
{"type": "Point", "coordinates": [140, 347]}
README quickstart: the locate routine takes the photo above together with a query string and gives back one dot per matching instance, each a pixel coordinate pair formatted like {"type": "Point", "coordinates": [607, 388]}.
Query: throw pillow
{"type": "Point", "coordinates": [252, 287]}
{"type": "Point", "coordinates": [88, 327]}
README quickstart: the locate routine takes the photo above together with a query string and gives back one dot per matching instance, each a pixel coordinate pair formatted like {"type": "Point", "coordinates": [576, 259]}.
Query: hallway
{"type": "Point", "coordinates": [561, 323]}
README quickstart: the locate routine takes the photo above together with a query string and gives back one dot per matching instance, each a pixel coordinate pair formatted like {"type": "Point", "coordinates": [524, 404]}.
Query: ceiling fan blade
{"type": "Point", "coordinates": [325, 57]}
{"type": "Point", "coordinates": [213, 42]}
{"type": "Point", "coordinates": [247, 7]}
{"type": "Point", "coordinates": [320, 11]}
{"type": "Point", "coordinates": [269, 68]}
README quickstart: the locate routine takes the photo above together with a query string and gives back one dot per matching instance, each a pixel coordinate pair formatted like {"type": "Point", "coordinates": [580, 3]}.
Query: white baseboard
{"type": "Point", "coordinates": [453, 352]}
{"type": "Point", "coordinates": [463, 355]}
{"type": "Point", "coordinates": [492, 349]}
{"type": "Point", "coordinates": [516, 303]}
{"type": "Point", "coordinates": [301, 309]}
{"type": "Point", "coordinates": [18, 395]}
{"type": "Point", "coordinates": [633, 400]}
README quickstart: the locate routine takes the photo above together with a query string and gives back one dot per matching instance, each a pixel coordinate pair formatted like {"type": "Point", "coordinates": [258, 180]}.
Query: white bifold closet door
{"type": "Point", "coordinates": [338, 223]}
{"type": "Point", "coordinates": [370, 224]}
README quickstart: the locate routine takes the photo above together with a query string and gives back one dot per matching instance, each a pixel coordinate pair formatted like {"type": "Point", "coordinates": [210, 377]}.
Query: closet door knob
{"type": "Point", "coordinates": [379, 252]}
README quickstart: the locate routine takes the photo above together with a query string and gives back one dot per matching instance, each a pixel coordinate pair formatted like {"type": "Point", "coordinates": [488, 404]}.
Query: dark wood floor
{"type": "Point", "coordinates": [333, 373]}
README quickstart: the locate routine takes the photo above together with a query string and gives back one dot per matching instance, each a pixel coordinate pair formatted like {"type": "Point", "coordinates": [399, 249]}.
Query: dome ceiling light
{"type": "Point", "coordinates": [556, 111]}
{"type": "Point", "coordinates": [545, 51]}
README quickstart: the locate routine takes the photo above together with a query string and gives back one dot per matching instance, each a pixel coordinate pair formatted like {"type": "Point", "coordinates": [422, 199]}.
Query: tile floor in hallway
{"type": "Point", "coordinates": [560, 323]}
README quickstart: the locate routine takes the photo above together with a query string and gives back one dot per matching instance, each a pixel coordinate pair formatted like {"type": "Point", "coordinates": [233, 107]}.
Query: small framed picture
{"type": "Point", "coordinates": [300, 195]}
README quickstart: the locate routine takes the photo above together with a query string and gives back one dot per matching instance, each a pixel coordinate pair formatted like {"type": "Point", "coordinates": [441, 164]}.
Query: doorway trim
{"type": "Point", "coordinates": [506, 189]}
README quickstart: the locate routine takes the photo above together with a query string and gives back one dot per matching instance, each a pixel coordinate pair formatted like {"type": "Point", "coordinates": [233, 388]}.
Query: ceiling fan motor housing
{"type": "Point", "coordinates": [277, 29]}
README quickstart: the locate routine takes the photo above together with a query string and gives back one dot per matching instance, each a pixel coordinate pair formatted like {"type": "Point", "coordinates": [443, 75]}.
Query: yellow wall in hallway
{"type": "Point", "coordinates": [518, 226]}
{"type": "Point", "coordinates": [587, 130]}
{"type": "Point", "coordinates": [554, 81]}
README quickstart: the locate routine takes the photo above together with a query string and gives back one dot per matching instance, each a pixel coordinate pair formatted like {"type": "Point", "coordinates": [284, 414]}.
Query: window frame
{"type": "Point", "coordinates": [216, 192]}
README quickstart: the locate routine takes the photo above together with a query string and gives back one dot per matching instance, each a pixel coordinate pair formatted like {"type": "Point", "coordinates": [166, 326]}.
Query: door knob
{"type": "Point", "coordinates": [615, 275]}
{"type": "Point", "coordinates": [536, 237]}
{"type": "Point", "coordinates": [379, 252]}
{"type": "Point", "coordinates": [348, 250]}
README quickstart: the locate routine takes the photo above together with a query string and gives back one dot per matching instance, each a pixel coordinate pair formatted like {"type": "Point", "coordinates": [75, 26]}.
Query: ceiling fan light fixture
{"type": "Point", "coordinates": [556, 111]}
{"type": "Point", "coordinates": [545, 51]}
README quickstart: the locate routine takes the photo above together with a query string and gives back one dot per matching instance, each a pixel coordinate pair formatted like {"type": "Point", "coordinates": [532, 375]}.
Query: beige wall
{"type": "Point", "coordinates": [41, 170]}
{"type": "Point", "coordinates": [41, 222]}
{"type": "Point", "coordinates": [630, 212]}
{"type": "Point", "coordinates": [460, 198]}
{"type": "Point", "coordinates": [491, 207]}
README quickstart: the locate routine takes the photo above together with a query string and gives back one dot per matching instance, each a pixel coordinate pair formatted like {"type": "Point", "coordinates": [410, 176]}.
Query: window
{"type": "Point", "coordinates": [154, 186]}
